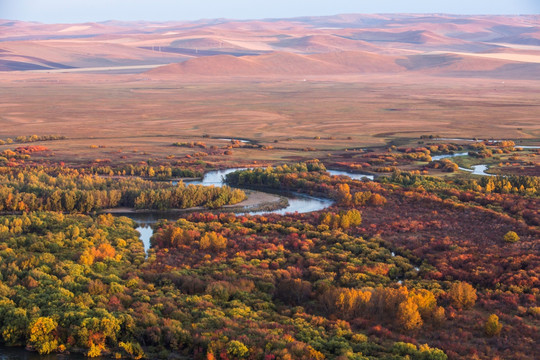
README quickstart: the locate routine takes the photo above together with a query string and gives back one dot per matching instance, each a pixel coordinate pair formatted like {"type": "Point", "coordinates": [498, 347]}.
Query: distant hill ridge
{"type": "Point", "coordinates": [434, 44]}
{"type": "Point", "coordinates": [340, 62]}
{"type": "Point", "coordinates": [282, 63]}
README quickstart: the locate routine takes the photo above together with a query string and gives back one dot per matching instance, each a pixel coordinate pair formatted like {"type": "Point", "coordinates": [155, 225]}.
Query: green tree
{"type": "Point", "coordinates": [427, 353]}
{"type": "Point", "coordinates": [15, 325]}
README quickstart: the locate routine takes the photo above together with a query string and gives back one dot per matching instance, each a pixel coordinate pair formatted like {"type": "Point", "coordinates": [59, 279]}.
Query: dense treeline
{"type": "Point", "coordinates": [310, 177]}
{"type": "Point", "coordinates": [146, 171]}
{"type": "Point", "coordinates": [517, 196]}
{"type": "Point", "coordinates": [183, 197]}
{"type": "Point", "coordinates": [32, 138]}
{"type": "Point", "coordinates": [523, 185]}
{"type": "Point", "coordinates": [273, 177]}
{"type": "Point", "coordinates": [67, 190]}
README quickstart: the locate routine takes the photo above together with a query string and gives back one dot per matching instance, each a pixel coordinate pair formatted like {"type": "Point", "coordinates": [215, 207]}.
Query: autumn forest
{"type": "Point", "coordinates": [406, 266]}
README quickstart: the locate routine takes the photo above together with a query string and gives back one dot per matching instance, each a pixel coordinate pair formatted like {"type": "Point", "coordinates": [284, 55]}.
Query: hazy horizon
{"type": "Point", "coordinates": [74, 11]}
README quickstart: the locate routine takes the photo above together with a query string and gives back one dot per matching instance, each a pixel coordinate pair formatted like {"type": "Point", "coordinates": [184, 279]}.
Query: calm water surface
{"type": "Point", "coordinates": [350, 175]}
{"type": "Point", "coordinates": [7, 353]}
{"type": "Point", "coordinates": [475, 169]}
{"type": "Point", "coordinates": [299, 203]}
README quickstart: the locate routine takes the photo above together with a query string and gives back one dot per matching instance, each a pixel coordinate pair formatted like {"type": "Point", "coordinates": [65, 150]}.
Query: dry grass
{"type": "Point", "coordinates": [141, 119]}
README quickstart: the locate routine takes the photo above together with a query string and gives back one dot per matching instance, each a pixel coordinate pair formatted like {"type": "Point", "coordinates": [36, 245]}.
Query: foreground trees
{"type": "Point", "coordinates": [70, 280]}
{"type": "Point", "coordinates": [53, 298]}
{"type": "Point", "coordinates": [412, 277]}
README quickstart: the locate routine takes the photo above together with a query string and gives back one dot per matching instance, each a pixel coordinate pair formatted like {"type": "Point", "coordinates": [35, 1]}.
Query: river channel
{"type": "Point", "coordinates": [297, 202]}
{"type": "Point", "coordinates": [300, 203]}
{"type": "Point", "coordinates": [476, 169]}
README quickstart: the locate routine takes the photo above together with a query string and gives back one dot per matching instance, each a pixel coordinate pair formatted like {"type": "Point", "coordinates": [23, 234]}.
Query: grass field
{"type": "Point", "coordinates": [134, 119]}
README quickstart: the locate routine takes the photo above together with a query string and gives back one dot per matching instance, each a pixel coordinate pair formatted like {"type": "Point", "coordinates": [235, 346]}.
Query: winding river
{"type": "Point", "coordinates": [297, 202]}
{"type": "Point", "coordinates": [300, 203]}
{"type": "Point", "coordinates": [477, 169]}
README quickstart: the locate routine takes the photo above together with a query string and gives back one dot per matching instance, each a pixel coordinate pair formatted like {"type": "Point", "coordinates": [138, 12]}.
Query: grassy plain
{"type": "Point", "coordinates": [128, 118]}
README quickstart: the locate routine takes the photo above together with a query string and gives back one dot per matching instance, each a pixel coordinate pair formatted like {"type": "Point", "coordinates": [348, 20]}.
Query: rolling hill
{"type": "Point", "coordinates": [332, 45]}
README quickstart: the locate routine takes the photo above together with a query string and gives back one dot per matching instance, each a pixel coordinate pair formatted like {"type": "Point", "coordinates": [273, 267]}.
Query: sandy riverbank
{"type": "Point", "coordinates": [256, 201]}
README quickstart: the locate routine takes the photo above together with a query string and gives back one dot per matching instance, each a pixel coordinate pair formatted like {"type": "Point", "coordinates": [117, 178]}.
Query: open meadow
{"type": "Point", "coordinates": [133, 119]}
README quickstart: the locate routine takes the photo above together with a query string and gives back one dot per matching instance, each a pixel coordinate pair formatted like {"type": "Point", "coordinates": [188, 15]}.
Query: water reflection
{"type": "Point", "coordinates": [350, 175]}
{"type": "Point", "coordinates": [239, 140]}
{"type": "Point", "coordinates": [8, 353]}
{"type": "Point", "coordinates": [216, 178]}
{"type": "Point", "coordinates": [298, 203]}
{"type": "Point", "coordinates": [446, 156]}
{"type": "Point", "coordinates": [146, 233]}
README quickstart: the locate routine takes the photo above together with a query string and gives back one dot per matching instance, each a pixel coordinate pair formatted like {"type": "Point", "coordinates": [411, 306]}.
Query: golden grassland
{"type": "Point", "coordinates": [128, 118]}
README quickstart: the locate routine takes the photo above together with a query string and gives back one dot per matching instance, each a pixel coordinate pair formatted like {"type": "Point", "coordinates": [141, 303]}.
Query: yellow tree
{"type": "Point", "coordinates": [213, 240]}
{"type": "Point", "coordinates": [43, 335]}
{"type": "Point", "coordinates": [511, 237]}
{"type": "Point", "coordinates": [425, 300]}
{"type": "Point", "coordinates": [409, 316]}
{"type": "Point", "coordinates": [344, 194]}
{"type": "Point", "coordinates": [463, 295]}
{"type": "Point", "coordinates": [493, 327]}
